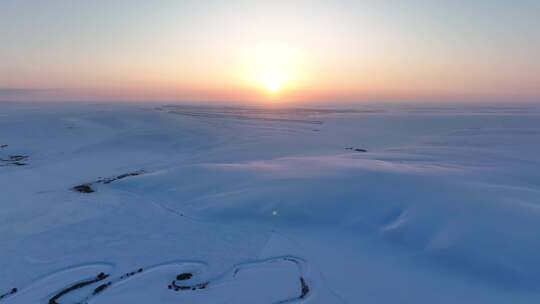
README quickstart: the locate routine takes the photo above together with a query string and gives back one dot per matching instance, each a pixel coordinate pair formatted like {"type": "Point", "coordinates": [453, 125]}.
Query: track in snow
{"type": "Point", "coordinates": [280, 280]}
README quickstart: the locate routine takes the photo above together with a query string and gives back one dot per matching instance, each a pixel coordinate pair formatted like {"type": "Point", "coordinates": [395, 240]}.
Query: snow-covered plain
{"type": "Point", "coordinates": [268, 205]}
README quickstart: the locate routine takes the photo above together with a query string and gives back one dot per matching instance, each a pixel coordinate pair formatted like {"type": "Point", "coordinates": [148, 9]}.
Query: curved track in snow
{"type": "Point", "coordinates": [279, 280]}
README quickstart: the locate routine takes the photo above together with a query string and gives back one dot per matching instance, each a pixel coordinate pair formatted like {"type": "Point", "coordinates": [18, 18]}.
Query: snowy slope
{"type": "Point", "coordinates": [269, 205]}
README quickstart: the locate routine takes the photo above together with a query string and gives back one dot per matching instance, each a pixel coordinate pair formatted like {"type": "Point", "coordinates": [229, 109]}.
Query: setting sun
{"type": "Point", "coordinates": [272, 68]}
{"type": "Point", "coordinates": [274, 82]}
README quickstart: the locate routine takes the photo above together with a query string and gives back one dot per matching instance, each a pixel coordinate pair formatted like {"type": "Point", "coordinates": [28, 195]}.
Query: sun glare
{"type": "Point", "coordinates": [273, 82]}
{"type": "Point", "coordinates": [272, 68]}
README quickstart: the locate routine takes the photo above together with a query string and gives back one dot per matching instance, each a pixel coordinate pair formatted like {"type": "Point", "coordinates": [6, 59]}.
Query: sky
{"type": "Point", "coordinates": [270, 51]}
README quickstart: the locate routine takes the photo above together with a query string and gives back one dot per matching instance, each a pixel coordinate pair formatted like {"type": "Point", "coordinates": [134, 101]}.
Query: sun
{"type": "Point", "coordinates": [272, 68]}
{"type": "Point", "coordinates": [275, 68]}
{"type": "Point", "coordinates": [273, 82]}
{"type": "Point", "coordinates": [272, 86]}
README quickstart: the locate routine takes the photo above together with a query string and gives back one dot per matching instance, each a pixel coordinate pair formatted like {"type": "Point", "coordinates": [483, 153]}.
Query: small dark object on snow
{"type": "Point", "coordinates": [305, 288]}
{"type": "Point", "coordinates": [101, 288]}
{"type": "Point", "coordinates": [184, 276]}
{"type": "Point", "coordinates": [15, 160]}
{"type": "Point", "coordinates": [18, 157]}
{"type": "Point", "coordinates": [189, 287]}
{"type": "Point", "coordinates": [3, 146]}
{"type": "Point", "coordinates": [356, 149]}
{"type": "Point", "coordinates": [61, 293]}
{"type": "Point", "coordinates": [12, 291]}
{"type": "Point", "coordinates": [85, 188]}
{"type": "Point", "coordinates": [128, 274]}
{"type": "Point", "coordinates": [109, 180]}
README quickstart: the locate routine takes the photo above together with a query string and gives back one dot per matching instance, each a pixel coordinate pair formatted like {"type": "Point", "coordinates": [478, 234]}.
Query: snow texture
{"type": "Point", "coordinates": [207, 204]}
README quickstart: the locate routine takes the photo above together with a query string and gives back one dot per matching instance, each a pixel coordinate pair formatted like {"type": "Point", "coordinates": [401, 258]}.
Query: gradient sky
{"type": "Point", "coordinates": [221, 50]}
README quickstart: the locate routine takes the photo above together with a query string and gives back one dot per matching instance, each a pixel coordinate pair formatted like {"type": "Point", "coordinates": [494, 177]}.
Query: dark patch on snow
{"type": "Point", "coordinates": [4, 295]}
{"type": "Point", "coordinates": [101, 288]}
{"type": "Point", "coordinates": [109, 180]}
{"type": "Point", "coordinates": [129, 274]}
{"type": "Point", "coordinates": [15, 160]}
{"type": "Point", "coordinates": [3, 146]}
{"type": "Point", "coordinates": [184, 276]}
{"type": "Point", "coordinates": [54, 300]}
{"type": "Point", "coordinates": [18, 157]}
{"type": "Point", "coordinates": [356, 149]}
{"type": "Point", "coordinates": [305, 288]}
{"type": "Point", "coordinates": [304, 291]}
{"type": "Point", "coordinates": [291, 260]}
{"type": "Point", "coordinates": [106, 285]}
{"type": "Point", "coordinates": [85, 188]}
{"type": "Point", "coordinates": [176, 287]}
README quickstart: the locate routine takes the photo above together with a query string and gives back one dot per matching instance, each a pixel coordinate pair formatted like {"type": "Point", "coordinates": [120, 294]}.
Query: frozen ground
{"type": "Point", "coordinates": [250, 205]}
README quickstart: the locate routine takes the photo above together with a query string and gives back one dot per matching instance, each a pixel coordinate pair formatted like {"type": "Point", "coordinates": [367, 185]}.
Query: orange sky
{"type": "Point", "coordinates": [279, 51]}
